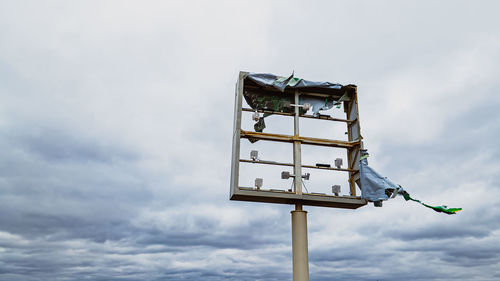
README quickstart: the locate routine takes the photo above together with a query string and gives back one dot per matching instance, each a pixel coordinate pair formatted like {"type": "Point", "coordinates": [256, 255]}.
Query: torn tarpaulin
{"type": "Point", "coordinates": [376, 188]}
{"type": "Point", "coordinates": [278, 102]}
{"type": "Point", "coordinates": [280, 83]}
{"type": "Point", "coordinates": [268, 94]}
{"type": "Point", "coordinates": [322, 103]}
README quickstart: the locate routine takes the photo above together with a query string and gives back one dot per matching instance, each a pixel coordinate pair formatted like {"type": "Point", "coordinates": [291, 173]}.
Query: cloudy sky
{"type": "Point", "coordinates": [116, 124]}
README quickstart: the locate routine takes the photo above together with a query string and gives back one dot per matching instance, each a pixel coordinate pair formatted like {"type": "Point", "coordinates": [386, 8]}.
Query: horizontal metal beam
{"type": "Point", "coordinates": [266, 162]}
{"type": "Point", "coordinates": [303, 140]}
{"type": "Point", "coordinates": [291, 165]}
{"type": "Point", "coordinates": [284, 197]}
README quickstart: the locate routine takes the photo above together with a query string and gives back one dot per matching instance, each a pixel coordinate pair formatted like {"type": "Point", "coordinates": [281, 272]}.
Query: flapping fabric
{"type": "Point", "coordinates": [376, 188]}
{"type": "Point", "coordinates": [279, 82]}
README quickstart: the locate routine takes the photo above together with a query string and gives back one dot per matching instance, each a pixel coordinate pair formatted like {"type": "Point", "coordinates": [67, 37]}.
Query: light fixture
{"type": "Point", "coordinates": [336, 189]}
{"type": "Point", "coordinates": [254, 155]}
{"type": "Point", "coordinates": [255, 116]}
{"type": "Point", "coordinates": [259, 182]}
{"type": "Point", "coordinates": [286, 175]}
{"type": "Point", "coordinates": [338, 163]}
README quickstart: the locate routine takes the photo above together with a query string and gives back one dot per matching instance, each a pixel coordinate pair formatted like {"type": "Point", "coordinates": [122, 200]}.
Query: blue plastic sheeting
{"type": "Point", "coordinates": [373, 185]}
{"type": "Point", "coordinates": [280, 83]}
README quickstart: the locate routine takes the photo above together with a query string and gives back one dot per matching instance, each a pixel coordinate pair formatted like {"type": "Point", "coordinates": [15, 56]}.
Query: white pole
{"type": "Point", "coordinates": [299, 244]}
{"type": "Point", "coordinates": [299, 216]}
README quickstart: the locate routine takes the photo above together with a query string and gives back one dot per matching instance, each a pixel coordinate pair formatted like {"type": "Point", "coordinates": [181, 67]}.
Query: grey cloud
{"type": "Point", "coordinates": [109, 118]}
{"type": "Point", "coordinates": [245, 238]}
{"type": "Point", "coordinates": [55, 146]}
{"type": "Point", "coordinates": [460, 252]}
{"type": "Point", "coordinates": [437, 231]}
{"type": "Point", "coordinates": [83, 192]}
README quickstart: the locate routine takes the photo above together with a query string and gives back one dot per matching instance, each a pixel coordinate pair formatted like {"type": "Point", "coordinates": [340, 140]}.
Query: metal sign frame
{"type": "Point", "coordinates": [296, 196]}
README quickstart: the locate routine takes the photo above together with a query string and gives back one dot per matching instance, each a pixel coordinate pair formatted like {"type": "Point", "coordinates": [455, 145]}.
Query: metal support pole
{"type": "Point", "coordinates": [299, 216]}
{"type": "Point", "coordinates": [299, 244]}
{"type": "Point", "coordinates": [297, 161]}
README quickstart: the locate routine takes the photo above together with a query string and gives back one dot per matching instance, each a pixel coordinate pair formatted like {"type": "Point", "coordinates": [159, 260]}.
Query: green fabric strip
{"type": "Point", "coordinates": [439, 209]}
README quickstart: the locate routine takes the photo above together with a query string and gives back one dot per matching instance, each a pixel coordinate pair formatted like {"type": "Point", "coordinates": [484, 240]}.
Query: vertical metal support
{"type": "Point", "coordinates": [297, 161]}
{"type": "Point", "coordinates": [299, 216]}
{"type": "Point", "coordinates": [353, 132]}
{"type": "Point", "coordinates": [235, 160]}
{"type": "Point", "coordinates": [299, 244]}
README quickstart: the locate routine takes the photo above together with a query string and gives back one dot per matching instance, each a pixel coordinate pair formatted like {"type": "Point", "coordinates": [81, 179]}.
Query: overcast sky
{"type": "Point", "coordinates": [116, 127]}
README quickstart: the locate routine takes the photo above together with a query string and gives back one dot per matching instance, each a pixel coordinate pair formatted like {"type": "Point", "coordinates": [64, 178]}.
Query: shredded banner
{"type": "Point", "coordinates": [377, 188]}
